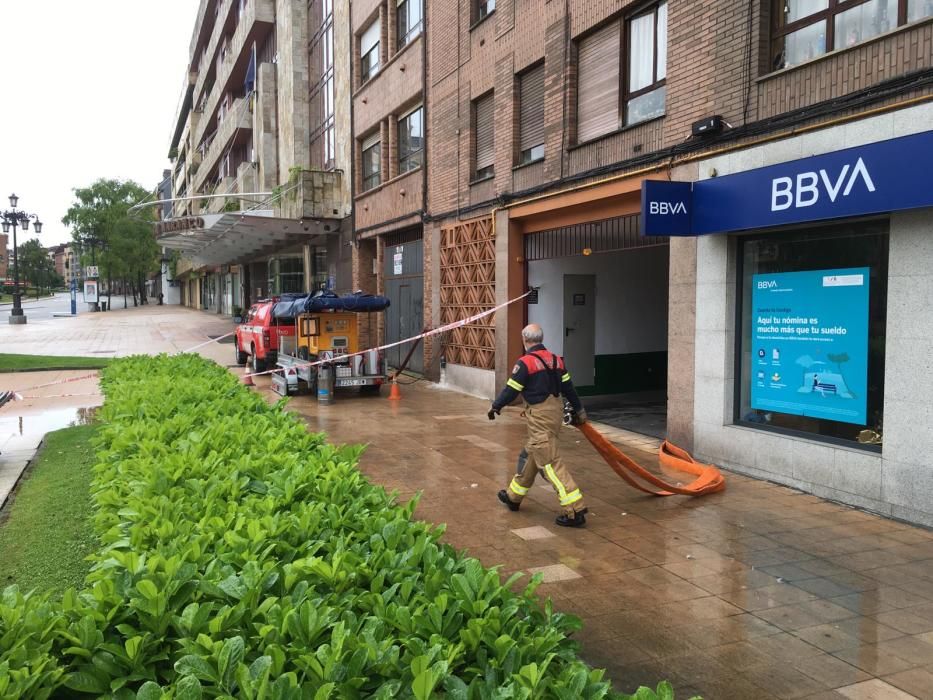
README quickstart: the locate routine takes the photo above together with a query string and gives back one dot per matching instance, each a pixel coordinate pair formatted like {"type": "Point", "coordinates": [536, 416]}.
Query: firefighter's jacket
{"type": "Point", "coordinates": [538, 374]}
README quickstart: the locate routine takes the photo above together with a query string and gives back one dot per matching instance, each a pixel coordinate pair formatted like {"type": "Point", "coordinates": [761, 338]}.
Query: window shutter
{"type": "Point", "coordinates": [370, 141]}
{"type": "Point", "coordinates": [532, 109]}
{"type": "Point", "coordinates": [370, 38]}
{"type": "Point", "coordinates": [485, 136]}
{"type": "Point", "coordinates": [598, 83]}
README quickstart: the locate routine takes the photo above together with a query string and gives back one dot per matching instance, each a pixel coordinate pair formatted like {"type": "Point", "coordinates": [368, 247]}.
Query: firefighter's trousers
{"type": "Point", "coordinates": [543, 447]}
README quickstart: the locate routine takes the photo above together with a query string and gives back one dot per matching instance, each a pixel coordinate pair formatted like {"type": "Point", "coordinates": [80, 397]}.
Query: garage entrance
{"type": "Point", "coordinates": [403, 270]}
{"type": "Point", "coordinates": [602, 301]}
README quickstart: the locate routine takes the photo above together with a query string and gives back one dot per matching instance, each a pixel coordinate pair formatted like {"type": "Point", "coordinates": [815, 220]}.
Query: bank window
{"type": "Point", "coordinates": [484, 154]}
{"type": "Point", "coordinates": [531, 115]}
{"type": "Point", "coordinates": [372, 162]}
{"type": "Point", "coordinates": [608, 96]}
{"type": "Point", "coordinates": [369, 52]}
{"type": "Point", "coordinates": [411, 141]}
{"type": "Point", "coordinates": [409, 16]}
{"type": "Point", "coordinates": [805, 29]}
{"type": "Point", "coordinates": [811, 332]}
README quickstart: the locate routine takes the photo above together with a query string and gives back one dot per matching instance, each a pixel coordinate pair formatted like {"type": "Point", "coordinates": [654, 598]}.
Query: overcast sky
{"type": "Point", "coordinates": [90, 89]}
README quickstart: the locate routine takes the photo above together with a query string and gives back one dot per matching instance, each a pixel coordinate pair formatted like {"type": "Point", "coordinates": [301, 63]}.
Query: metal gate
{"type": "Point", "coordinates": [404, 285]}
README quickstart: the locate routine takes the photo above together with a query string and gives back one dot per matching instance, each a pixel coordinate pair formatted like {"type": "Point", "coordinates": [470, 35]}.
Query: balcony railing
{"type": "Point", "coordinates": [227, 185]}
{"type": "Point", "coordinates": [216, 35]}
{"type": "Point", "coordinates": [239, 117]}
{"type": "Point", "coordinates": [256, 11]}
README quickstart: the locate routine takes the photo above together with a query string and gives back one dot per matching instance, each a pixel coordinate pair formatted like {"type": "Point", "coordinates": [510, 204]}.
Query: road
{"type": "Point", "coordinates": [43, 308]}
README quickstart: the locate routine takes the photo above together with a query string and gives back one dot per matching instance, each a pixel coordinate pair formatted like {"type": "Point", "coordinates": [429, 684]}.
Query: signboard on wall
{"type": "Point", "coordinates": [809, 334]}
{"type": "Point", "coordinates": [881, 177]}
{"type": "Point", "coordinates": [397, 260]}
{"type": "Point", "coordinates": [90, 291]}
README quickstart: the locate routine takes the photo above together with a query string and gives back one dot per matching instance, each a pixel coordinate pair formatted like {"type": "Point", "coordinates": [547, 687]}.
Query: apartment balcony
{"type": "Point", "coordinates": [231, 130]}
{"type": "Point", "coordinates": [217, 33]}
{"type": "Point", "coordinates": [258, 20]}
{"type": "Point", "coordinates": [315, 194]}
{"type": "Point", "coordinates": [215, 205]}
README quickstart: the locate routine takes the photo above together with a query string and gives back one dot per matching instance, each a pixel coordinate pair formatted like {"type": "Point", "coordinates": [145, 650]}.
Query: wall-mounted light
{"type": "Point", "coordinates": [587, 251]}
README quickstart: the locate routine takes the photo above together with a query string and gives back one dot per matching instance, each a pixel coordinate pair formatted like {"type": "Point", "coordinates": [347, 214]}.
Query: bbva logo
{"type": "Point", "coordinates": [767, 284]}
{"type": "Point", "coordinates": [667, 208]}
{"type": "Point", "coordinates": [806, 193]}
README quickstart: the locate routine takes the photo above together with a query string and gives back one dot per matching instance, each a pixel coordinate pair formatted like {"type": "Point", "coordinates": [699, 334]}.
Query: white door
{"type": "Point", "coordinates": [580, 328]}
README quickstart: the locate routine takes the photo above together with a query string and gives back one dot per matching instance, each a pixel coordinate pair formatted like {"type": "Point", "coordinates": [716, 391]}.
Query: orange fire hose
{"type": "Point", "coordinates": [709, 478]}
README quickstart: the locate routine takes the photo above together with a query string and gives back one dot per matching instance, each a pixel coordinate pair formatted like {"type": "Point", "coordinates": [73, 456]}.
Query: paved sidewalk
{"type": "Point", "coordinates": [148, 329]}
{"type": "Point", "coordinates": [758, 592]}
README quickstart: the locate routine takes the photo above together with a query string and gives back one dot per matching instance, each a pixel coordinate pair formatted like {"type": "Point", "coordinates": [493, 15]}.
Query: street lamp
{"type": "Point", "coordinates": [15, 218]}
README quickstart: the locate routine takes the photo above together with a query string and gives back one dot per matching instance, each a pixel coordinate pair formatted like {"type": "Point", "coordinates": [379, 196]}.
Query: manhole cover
{"type": "Point", "coordinates": [102, 352]}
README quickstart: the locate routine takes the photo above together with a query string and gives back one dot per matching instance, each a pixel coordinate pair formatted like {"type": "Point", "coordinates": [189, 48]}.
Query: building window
{"type": "Point", "coordinates": [811, 336]}
{"type": "Point", "coordinates": [482, 9]}
{"type": "Point", "coordinates": [409, 21]}
{"type": "Point", "coordinates": [411, 141]}
{"type": "Point", "coordinates": [484, 138]}
{"type": "Point", "coordinates": [805, 29]}
{"type": "Point", "coordinates": [531, 116]}
{"type": "Point", "coordinates": [372, 162]}
{"type": "Point", "coordinates": [647, 65]}
{"type": "Point", "coordinates": [369, 52]}
{"type": "Point", "coordinates": [602, 95]}
{"type": "Point", "coordinates": [321, 59]}
{"type": "Point", "coordinates": [286, 276]}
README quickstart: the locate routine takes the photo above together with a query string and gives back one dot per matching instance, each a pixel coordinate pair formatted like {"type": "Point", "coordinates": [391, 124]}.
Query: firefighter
{"type": "Point", "coordinates": [540, 378]}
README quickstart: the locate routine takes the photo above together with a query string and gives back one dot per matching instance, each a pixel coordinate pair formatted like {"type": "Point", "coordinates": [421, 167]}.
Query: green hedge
{"type": "Point", "coordinates": [242, 556]}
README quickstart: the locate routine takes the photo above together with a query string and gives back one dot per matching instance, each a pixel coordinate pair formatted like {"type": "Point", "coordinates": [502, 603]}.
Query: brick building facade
{"type": "Point", "coordinates": [389, 176]}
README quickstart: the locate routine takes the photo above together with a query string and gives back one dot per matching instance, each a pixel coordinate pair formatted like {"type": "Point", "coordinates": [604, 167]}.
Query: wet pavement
{"type": "Point", "coordinates": [639, 413]}
{"type": "Point", "coordinates": [24, 423]}
{"type": "Point", "coordinates": [759, 592]}
{"type": "Point", "coordinates": [149, 329]}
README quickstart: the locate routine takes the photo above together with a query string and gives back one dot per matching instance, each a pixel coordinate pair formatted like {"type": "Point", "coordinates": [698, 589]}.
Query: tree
{"type": "Point", "coordinates": [108, 236]}
{"type": "Point", "coordinates": [35, 264]}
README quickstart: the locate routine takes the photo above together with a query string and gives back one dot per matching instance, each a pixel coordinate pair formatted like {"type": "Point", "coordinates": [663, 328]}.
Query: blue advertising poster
{"type": "Point", "coordinates": [810, 343]}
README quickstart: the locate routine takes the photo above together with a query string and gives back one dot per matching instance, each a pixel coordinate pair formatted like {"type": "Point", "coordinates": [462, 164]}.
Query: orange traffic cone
{"type": "Point", "coordinates": [248, 380]}
{"type": "Point", "coordinates": [394, 393]}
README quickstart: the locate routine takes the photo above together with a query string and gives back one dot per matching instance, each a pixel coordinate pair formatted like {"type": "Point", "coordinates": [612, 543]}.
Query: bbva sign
{"type": "Point", "coordinates": [805, 190]}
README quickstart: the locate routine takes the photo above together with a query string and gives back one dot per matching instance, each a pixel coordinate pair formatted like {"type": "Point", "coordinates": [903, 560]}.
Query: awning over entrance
{"type": "Point", "coordinates": [220, 239]}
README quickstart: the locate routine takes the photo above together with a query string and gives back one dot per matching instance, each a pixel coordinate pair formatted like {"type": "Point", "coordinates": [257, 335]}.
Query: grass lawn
{"type": "Point", "coordinates": [21, 363]}
{"type": "Point", "coordinates": [46, 531]}
{"type": "Point", "coordinates": [8, 298]}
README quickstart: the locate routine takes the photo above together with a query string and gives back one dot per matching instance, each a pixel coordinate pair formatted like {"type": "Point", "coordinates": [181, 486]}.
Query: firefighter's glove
{"type": "Point", "coordinates": [579, 418]}
{"type": "Point", "coordinates": [493, 412]}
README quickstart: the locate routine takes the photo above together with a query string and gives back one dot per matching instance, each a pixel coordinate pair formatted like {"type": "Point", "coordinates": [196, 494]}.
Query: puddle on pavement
{"type": "Point", "coordinates": [19, 428]}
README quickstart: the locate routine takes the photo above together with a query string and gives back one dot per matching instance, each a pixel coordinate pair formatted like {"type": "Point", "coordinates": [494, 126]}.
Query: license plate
{"type": "Point", "coordinates": [352, 382]}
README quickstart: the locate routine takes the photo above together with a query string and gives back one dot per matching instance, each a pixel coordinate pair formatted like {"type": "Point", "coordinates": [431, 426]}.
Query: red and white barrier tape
{"type": "Point", "coordinates": [207, 342]}
{"type": "Point", "coordinates": [426, 334]}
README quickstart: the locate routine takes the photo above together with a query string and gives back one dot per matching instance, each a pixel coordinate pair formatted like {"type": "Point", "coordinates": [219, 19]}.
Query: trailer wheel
{"type": "Point", "coordinates": [241, 357]}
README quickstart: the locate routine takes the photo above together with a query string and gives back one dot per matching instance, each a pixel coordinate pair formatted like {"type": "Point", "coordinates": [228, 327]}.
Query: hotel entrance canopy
{"type": "Point", "coordinates": [233, 237]}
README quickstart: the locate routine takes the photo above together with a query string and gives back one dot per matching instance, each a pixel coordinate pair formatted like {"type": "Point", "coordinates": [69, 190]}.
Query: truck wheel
{"type": "Point", "coordinates": [241, 357]}
{"type": "Point", "coordinates": [258, 365]}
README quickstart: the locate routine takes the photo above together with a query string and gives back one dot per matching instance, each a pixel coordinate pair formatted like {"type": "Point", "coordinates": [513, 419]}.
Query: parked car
{"type": "Point", "coordinates": [259, 337]}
